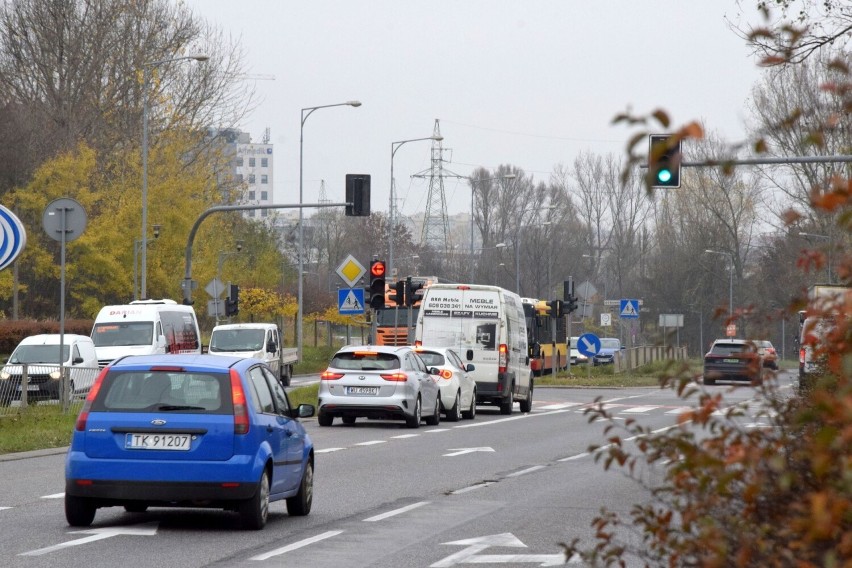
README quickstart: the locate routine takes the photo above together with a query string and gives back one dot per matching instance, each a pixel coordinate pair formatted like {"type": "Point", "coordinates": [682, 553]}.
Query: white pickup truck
{"type": "Point", "coordinates": [258, 340]}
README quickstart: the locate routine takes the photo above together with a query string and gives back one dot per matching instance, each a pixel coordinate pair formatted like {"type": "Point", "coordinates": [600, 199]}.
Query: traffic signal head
{"type": "Point", "coordinates": [377, 284]}
{"type": "Point", "coordinates": [570, 305]}
{"type": "Point", "coordinates": [664, 159]}
{"type": "Point", "coordinates": [397, 295]}
{"type": "Point", "coordinates": [413, 292]}
{"type": "Point", "coordinates": [357, 195]}
{"type": "Point", "coordinates": [556, 308]}
{"type": "Point", "coordinates": [232, 301]}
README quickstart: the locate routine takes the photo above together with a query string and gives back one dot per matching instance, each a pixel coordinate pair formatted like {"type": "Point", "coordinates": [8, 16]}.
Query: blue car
{"type": "Point", "coordinates": [189, 431]}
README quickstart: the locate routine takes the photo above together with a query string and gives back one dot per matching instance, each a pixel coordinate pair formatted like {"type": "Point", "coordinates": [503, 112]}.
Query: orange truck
{"type": "Point", "coordinates": [393, 322]}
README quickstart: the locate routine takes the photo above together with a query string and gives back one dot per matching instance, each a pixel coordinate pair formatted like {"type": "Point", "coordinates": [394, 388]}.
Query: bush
{"type": "Point", "coordinates": [13, 331]}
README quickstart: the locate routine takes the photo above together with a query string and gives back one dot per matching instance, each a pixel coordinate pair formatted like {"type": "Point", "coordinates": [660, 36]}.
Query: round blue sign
{"type": "Point", "coordinates": [589, 344]}
{"type": "Point", "coordinates": [13, 237]}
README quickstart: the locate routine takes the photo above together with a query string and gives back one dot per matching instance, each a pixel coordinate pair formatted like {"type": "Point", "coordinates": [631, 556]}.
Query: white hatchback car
{"type": "Point", "coordinates": [378, 382]}
{"type": "Point", "coordinates": [458, 389]}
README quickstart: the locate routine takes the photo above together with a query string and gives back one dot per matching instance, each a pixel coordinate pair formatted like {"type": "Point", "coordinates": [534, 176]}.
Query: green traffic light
{"type": "Point", "coordinates": [664, 175]}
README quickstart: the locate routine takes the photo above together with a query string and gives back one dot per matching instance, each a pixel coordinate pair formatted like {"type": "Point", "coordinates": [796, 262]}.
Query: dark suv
{"type": "Point", "coordinates": [189, 431]}
{"type": "Point", "coordinates": [733, 360]}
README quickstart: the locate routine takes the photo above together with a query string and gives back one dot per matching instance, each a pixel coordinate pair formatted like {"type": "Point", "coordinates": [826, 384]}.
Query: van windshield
{"type": "Point", "coordinates": [123, 333]}
{"type": "Point", "coordinates": [39, 354]}
{"type": "Point", "coordinates": [237, 340]}
{"type": "Point", "coordinates": [395, 317]}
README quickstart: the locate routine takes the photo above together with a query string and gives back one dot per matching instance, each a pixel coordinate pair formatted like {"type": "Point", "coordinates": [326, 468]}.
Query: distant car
{"type": "Point", "coordinates": [609, 347]}
{"type": "Point", "coordinates": [577, 358]}
{"type": "Point", "coordinates": [189, 431]}
{"type": "Point", "coordinates": [733, 360]}
{"type": "Point", "coordinates": [379, 382]}
{"type": "Point", "coordinates": [40, 355]}
{"type": "Point", "coordinates": [767, 351]}
{"type": "Point", "coordinates": [457, 387]}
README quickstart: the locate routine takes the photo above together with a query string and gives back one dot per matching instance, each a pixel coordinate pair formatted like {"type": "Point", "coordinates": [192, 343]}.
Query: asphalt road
{"type": "Point", "coordinates": [497, 490]}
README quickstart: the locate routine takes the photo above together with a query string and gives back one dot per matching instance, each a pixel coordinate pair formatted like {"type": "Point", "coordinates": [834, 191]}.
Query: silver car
{"type": "Point", "coordinates": [378, 382]}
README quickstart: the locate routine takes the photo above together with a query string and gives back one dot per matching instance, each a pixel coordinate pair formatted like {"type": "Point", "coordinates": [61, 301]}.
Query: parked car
{"type": "Point", "coordinates": [39, 356]}
{"type": "Point", "coordinates": [577, 358]}
{"type": "Point", "coordinates": [609, 347]}
{"type": "Point", "coordinates": [733, 360]}
{"type": "Point", "coordinates": [457, 387]}
{"type": "Point", "coordinates": [189, 431]}
{"type": "Point", "coordinates": [768, 352]}
{"type": "Point", "coordinates": [378, 382]}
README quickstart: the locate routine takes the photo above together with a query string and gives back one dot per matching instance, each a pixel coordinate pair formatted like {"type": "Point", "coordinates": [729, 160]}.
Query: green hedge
{"type": "Point", "coordinates": [13, 331]}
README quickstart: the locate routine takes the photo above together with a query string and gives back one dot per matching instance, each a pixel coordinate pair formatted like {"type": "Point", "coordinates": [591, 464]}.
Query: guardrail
{"type": "Point", "coordinates": [28, 384]}
{"type": "Point", "coordinates": [635, 357]}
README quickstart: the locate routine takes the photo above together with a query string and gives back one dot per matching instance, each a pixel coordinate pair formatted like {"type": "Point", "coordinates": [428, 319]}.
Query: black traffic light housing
{"type": "Point", "coordinates": [556, 308]}
{"type": "Point", "coordinates": [358, 195]}
{"type": "Point", "coordinates": [397, 294]}
{"type": "Point", "coordinates": [232, 300]}
{"type": "Point", "coordinates": [377, 284]}
{"type": "Point", "coordinates": [664, 157]}
{"type": "Point", "coordinates": [411, 295]}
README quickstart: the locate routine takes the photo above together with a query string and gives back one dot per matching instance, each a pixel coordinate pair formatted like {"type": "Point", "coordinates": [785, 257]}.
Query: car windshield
{"type": "Point", "coordinates": [395, 317]}
{"type": "Point", "coordinates": [123, 334]}
{"type": "Point", "coordinates": [607, 343]}
{"type": "Point", "coordinates": [166, 391]}
{"type": "Point", "coordinates": [731, 348]}
{"type": "Point", "coordinates": [237, 340]}
{"type": "Point", "coordinates": [365, 361]}
{"type": "Point", "coordinates": [39, 354]}
{"type": "Point", "coordinates": [431, 358]}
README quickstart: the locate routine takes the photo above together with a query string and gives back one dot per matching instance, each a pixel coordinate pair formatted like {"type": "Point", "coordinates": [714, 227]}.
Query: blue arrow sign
{"type": "Point", "coordinates": [13, 237]}
{"type": "Point", "coordinates": [589, 344]}
{"type": "Point", "coordinates": [629, 309]}
{"type": "Point", "coordinates": [350, 301]}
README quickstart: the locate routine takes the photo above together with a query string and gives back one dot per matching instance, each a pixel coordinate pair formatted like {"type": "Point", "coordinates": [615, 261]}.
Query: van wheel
{"type": "Point", "coordinates": [526, 404]}
{"type": "Point", "coordinates": [470, 413]}
{"type": "Point", "coordinates": [508, 405]}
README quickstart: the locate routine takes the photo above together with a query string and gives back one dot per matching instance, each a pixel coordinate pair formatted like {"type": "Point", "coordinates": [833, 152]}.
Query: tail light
{"type": "Point", "coordinates": [503, 360]}
{"type": "Point", "coordinates": [418, 343]}
{"type": "Point", "coordinates": [329, 376]}
{"type": "Point", "coordinates": [802, 356]}
{"type": "Point", "coordinates": [238, 398]}
{"type": "Point", "coordinates": [80, 425]}
{"type": "Point", "coordinates": [446, 374]}
{"type": "Point", "coordinates": [395, 377]}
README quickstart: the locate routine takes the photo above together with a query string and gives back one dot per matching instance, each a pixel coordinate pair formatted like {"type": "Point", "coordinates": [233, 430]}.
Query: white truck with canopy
{"type": "Point", "coordinates": [259, 340]}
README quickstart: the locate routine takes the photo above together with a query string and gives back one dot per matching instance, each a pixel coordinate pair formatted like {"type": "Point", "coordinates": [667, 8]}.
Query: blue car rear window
{"type": "Point", "coordinates": [178, 391]}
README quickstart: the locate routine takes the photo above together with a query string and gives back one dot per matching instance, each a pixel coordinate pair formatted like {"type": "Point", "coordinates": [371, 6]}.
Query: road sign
{"type": "Point", "coordinates": [351, 271]}
{"type": "Point", "coordinates": [629, 309]}
{"type": "Point", "coordinates": [589, 344]}
{"type": "Point", "coordinates": [606, 319]}
{"type": "Point", "coordinates": [13, 237]}
{"type": "Point", "coordinates": [216, 308]}
{"type": "Point", "coordinates": [731, 330]}
{"type": "Point", "coordinates": [350, 301]}
{"type": "Point", "coordinates": [618, 302]}
{"type": "Point", "coordinates": [214, 288]}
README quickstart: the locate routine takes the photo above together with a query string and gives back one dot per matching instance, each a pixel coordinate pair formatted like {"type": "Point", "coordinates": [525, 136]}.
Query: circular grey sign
{"type": "Point", "coordinates": [64, 212]}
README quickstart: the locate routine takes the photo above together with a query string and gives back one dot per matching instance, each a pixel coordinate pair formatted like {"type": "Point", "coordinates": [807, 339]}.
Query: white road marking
{"type": "Point", "coordinates": [401, 436]}
{"type": "Point", "coordinates": [462, 451]}
{"type": "Point", "coordinates": [295, 545]}
{"type": "Point", "coordinates": [395, 512]}
{"type": "Point", "coordinates": [559, 406]}
{"type": "Point", "coordinates": [438, 430]}
{"type": "Point", "coordinates": [54, 496]}
{"type": "Point", "coordinates": [4, 508]}
{"type": "Point", "coordinates": [528, 470]}
{"type": "Point", "coordinates": [638, 409]}
{"type": "Point", "coordinates": [472, 487]}
{"type": "Point", "coordinates": [327, 450]}
{"type": "Point", "coordinates": [372, 443]}
{"type": "Point", "coordinates": [148, 529]}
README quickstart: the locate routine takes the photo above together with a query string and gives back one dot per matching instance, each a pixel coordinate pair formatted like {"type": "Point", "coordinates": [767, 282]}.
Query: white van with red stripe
{"type": "Point", "coordinates": [486, 326]}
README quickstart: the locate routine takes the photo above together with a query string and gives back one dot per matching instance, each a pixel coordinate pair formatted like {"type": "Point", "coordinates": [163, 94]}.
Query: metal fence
{"type": "Point", "coordinates": [30, 384]}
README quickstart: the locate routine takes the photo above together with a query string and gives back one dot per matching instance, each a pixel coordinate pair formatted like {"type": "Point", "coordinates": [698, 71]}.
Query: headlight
{"type": "Point", "coordinates": [55, 375]}
{"type": "Point", "coordinates": [4, 376]}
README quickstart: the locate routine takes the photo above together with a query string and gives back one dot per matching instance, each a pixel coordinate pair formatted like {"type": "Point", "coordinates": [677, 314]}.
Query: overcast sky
{"type": "Point", "coordinates": [529, 83]}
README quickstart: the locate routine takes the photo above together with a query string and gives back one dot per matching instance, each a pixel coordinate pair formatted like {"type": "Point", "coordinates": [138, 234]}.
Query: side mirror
{"type": "Point", "coordinates": [434, 371]}
{"type": "Point", "coordinates": [77, 360]}
{"type": "Point", "coordinates": [271, 347]}
{"type": "Point", "coordinates": [470, 368]}
{"type": "Point", "coordinates": [161, 342]}
{"type": "Point", "coordinates": [306, 410]}
{"type": "Point", "coordinates": [469, 355]}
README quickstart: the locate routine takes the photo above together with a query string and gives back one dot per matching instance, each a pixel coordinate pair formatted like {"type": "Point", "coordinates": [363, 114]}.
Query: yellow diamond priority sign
{"type": "Point", "coordinates": [351, 271]}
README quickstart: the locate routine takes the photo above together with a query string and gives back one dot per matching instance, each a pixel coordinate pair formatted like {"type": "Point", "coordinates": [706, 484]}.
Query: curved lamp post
{"type": "Point", "coordinates": [306, 112]}
{"type": "Point", "coordinates": [394, 147]}
{"type": "Point", "coordinates": [146, 80]}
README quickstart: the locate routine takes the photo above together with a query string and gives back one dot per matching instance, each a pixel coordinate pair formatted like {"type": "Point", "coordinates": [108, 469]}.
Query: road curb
{"type": "Point", "coordinates": [33, 454]}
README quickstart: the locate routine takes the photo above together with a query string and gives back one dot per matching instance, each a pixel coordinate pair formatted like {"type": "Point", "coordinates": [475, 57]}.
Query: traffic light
{"type": "Point", "coordinates": [556, 308]}
{"type": "Point", "coordinates": [397, 295]}
{"type": "Point", "coordinates": [232, 300]}
{"type": "Point", "coordinates": [664, 159]}
{"type": "Point", "coordinates": [358, 194]}
{"type": "Point", "coordinates": [570, 305]}
{"type": "Point", "coordinates": [413, 292]}
{"type": "Point", "coordinates": [377, 284]}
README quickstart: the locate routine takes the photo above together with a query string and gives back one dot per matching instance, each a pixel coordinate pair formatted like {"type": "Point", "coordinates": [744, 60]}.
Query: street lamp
{"type": "Point", "coordinates": [136, 244]}
{"type": "Point", "coordinates": [394, 147]}
{"type": "Point", "coordinates": [731, 284]}
{"type": "Point", "coordinates": [222, 256]}
{"type": "Point", "coordinates": [306, 112]}
{"type": "Point", "coordinates": [146, 80]}
{"type": "Point", "coordinates": [472, 197]}
{"type": "Point", "coordinates": [828, 238]}
{"type": "Point", "coordinates": [516, 245]}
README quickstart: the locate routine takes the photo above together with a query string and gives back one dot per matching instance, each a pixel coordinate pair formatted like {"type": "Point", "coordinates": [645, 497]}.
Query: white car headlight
{"type": "Point", "coordinates": [55, 375]}
{"type": "Point", "coordinates": [4, 376]}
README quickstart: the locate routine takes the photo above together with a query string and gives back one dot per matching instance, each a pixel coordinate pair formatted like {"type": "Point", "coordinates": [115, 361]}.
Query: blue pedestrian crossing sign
{"type": "Point", "coordinates": [629, 309]}
{"type": "Point", "coordinates": [350, 301]}
{"type": "Point", "coordinates": [589, 344]}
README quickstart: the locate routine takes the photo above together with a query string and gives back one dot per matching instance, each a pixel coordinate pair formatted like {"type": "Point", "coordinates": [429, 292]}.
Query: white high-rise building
{"type": "Point", "coordinates": [250, 167]}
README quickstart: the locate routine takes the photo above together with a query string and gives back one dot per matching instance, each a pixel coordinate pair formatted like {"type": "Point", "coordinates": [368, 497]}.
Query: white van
{"type": "Point", "coordinates": [39, 355]}
{"type": "Point", "coordinates": [145, 327]}
{"type": "Point", "coordinates": [486, 326]}
{"type": "Point", "coordinates": [259, 340]}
